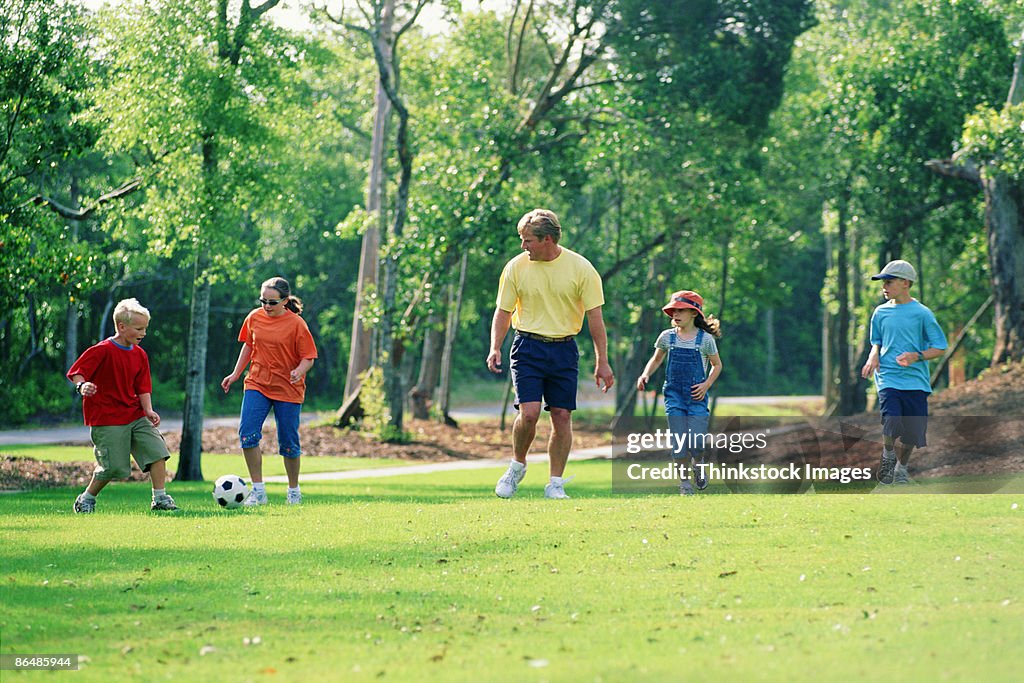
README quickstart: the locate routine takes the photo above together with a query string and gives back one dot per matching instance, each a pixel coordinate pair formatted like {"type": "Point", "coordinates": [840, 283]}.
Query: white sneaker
{"type": "Point", "coordinates": [255, 498]}
{"type": "Point", "coordinates": [294, 498]}
{"type": "Point", "coordinates": [556, 489]}
{"type": "Point", "coordinates": [509, 482]}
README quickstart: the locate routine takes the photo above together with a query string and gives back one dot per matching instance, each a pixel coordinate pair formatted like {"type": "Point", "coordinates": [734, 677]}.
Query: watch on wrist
{"type": "Point", "coordinates": [78, 388]}
{"type": "Point", "coordinates": [920, 355]}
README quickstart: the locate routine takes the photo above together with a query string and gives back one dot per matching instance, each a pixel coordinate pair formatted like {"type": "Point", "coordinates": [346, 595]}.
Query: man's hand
{"type": "Point", "coordinates": [641, 382]}
{"type": "Point", "coordinates": [153, 417]}
{"type": "Point", "coordinates": [603, 377]}
{"type": "Point", "coordinates": [494, 361]}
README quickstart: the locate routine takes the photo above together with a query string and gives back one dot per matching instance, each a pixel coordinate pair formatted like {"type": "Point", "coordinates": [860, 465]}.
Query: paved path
{"type": "Point", "coordinates": [427, 468]}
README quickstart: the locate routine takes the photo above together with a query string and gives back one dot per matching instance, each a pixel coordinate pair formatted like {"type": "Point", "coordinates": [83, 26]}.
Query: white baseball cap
{"type": "Point", "coordinates": [898, 268]}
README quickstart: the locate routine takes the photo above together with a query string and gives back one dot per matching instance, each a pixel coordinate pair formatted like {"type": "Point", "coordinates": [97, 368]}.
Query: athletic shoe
{"type": "Point", "coordinates": [164, 502]}
{"type": "Point", "coordinates": [294, 498]}
{"type": "Point", "coordinates": [556, 489]}
{"type": "Point", "coordinates": [255, 498]}
{"type": "Point", "coordinates": [885, 468]}
{"type": "Point", "coordinates": [83, 506]}
{"type": "Point", "coordinates": [509, 482]}
{"type": "Point", "coordinates": [698, 477]}
{"type": "Point", "coordinates": [902, 477]}
{"type": "Point", "coordinates": [685, 488]}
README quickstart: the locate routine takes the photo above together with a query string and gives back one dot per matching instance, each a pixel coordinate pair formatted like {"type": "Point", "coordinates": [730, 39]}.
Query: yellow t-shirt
{"type": "Point", "coordinates": [549, 297]}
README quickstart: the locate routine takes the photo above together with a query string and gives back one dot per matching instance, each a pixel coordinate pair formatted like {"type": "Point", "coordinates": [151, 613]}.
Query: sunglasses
{"type": "Point", "coordinates": [270, 302]}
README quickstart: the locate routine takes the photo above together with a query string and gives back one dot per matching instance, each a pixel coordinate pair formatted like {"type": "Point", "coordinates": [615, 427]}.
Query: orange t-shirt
{"type": "Point", "coordinates": [278, 345]}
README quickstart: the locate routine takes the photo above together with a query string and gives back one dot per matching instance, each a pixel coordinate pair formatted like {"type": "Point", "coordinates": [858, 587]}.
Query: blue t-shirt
{"type": "Point", "coordinates": [898, 328]}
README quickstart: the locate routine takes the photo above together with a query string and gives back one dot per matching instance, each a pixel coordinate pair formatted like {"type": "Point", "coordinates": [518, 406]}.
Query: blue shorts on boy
{"type": "Point", "coordinates": [904, 415]}
{"type": "Point", "coordinates": [545, 371]}
{"type": "Point", "coordinates": [255, 408]}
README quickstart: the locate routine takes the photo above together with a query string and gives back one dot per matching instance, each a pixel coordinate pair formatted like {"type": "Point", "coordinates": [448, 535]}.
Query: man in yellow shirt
{"type": "Point", "coordinates": [545, 293]}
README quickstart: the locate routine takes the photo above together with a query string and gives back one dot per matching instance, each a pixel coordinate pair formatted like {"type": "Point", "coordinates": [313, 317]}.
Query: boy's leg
{"type": "Point", "coordinates": [891, 408]}
{"type": "Point", "coordinates": [112, 448]}
{"type": "Point", "coordinates": [96, 485]}
{"type": "Point", "coordinates": [915, 428]}
{"type": "Point", "coordinates": [151, 455]}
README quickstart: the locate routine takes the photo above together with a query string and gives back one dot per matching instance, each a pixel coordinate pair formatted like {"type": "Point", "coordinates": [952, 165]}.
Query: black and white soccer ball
{"type": "Point", "coordinates": [230, 490]}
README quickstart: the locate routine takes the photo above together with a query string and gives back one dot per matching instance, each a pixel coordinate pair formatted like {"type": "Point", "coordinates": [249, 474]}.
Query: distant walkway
{"type": "Point", "coordinates": [428, 468]}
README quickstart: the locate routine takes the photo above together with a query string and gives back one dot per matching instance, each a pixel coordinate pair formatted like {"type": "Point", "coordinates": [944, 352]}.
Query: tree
{"type": "Point", "coordinates": [991, 160]}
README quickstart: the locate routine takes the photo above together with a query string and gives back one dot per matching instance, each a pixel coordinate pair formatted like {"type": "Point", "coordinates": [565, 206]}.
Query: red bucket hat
{"type": "Point", "coordinates": [684, 299]}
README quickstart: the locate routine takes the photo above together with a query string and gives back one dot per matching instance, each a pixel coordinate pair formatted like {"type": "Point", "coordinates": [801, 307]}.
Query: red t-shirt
{"type": "Point", "coordinates": [120, 375]}
{"type": "Point", "coordinates": [279, 343]}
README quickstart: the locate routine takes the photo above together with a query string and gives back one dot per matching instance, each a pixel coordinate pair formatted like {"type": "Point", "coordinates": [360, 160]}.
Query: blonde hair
{"type": "Point", "coordinates": [542, 223]}
{"type": "Point", "coordinates": [126, 308]}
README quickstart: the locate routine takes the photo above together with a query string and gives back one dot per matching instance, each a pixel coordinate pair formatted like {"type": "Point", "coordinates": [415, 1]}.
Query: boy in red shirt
{"type": "Point", "coordinates": [113, 379]}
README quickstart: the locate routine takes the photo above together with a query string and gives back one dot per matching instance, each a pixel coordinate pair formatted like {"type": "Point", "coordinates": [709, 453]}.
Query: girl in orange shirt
{"type": "Point", "coordinates": [279, 350]}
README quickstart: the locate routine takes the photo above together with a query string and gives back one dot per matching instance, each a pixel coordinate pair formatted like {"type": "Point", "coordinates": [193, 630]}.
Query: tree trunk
{"type": "Point", "coordinates": [360, 353]}
{"type": "Point", "coordinates": [190, 463]}
{"type": "Point", "coordinates": [1005, 226]}
{"type": "Point", "coordinates": [451, 332]}
{"type": "Point", "coordinates": [770, 350]}
{"type": "Point", "coordinates": [847, 385]}
{"type": "Point", "coordinates": [71, 316]}
{"type": "Point", "coordinates": [430, 368]}
{"type": "Point", "coordinates": [387, 68]}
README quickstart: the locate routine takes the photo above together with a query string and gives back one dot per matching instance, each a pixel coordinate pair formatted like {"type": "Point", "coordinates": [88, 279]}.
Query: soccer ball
{"type": "Point", "coordinates": [230, 490]}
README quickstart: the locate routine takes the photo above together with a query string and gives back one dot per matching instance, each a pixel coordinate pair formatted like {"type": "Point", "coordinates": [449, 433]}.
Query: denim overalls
{"type": "Point", "coordinates": [685, 415]}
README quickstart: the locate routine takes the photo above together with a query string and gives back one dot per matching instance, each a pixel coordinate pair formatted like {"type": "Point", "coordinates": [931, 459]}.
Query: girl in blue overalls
{"type": "Point", "coordinates": [693, 366]}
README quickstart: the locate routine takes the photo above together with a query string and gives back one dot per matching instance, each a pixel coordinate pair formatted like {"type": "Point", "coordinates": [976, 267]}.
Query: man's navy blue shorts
{"type": "Point", "coordinates": [904, 415]}
{"type": "Point", "coordinates": [547, 371]}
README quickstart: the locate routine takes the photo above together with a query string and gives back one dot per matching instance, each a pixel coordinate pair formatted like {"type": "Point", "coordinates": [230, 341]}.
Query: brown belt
{"type": "Point", "coordinates": [541, 337]}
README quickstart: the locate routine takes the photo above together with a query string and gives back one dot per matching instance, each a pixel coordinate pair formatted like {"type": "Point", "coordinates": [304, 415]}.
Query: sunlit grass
{"type": "Point", "coordinates": [430, 577]}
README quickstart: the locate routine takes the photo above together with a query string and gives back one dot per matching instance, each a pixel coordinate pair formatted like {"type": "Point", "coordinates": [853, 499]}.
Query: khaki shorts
{"type": "Point", "coordinates": [114, 444]}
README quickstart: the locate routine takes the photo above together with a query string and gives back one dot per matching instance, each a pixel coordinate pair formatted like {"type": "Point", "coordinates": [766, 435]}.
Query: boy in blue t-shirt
{"type": "Point", "coordinates": [904, 337]}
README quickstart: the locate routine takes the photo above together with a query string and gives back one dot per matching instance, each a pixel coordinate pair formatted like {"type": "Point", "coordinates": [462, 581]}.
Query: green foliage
{"type": "Point", "coordinates": [372, 399]}
{"type": "Point", "coordinates": [995, 139]}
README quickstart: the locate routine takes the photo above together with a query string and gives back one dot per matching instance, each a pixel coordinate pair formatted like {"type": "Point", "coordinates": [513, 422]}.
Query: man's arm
{"type": "Point", "coordinates": [499, 328]}
{"type": "Point", "coordinates": [603, 376]}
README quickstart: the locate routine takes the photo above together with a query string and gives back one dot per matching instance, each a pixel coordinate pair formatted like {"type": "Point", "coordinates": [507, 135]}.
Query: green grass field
{"type": "Point", "coordinates": [430, 577]}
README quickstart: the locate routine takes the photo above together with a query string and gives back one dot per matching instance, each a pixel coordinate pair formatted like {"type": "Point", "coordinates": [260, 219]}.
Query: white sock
{"type": "Point", "coordinates": [557, 481]}
{"type": "Point", "coordinates": [518, 466]}
{"type": "Point", "coordinates": [88, 496]}
{"type": "Point", "coordinates": [259, 487]}
{"type": "Point", "coordinates": [293, 490]}
{"type": "Point", "coordinates": [886, 453]}
{"type": "Point", "coordinates": [159, 493]}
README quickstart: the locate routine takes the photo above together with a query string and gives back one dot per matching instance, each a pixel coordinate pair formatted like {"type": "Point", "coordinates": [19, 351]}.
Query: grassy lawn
{"type": "Point", "coordinates": [214, 464]}
{"type": "Point", "coordinates": [430, 577]}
